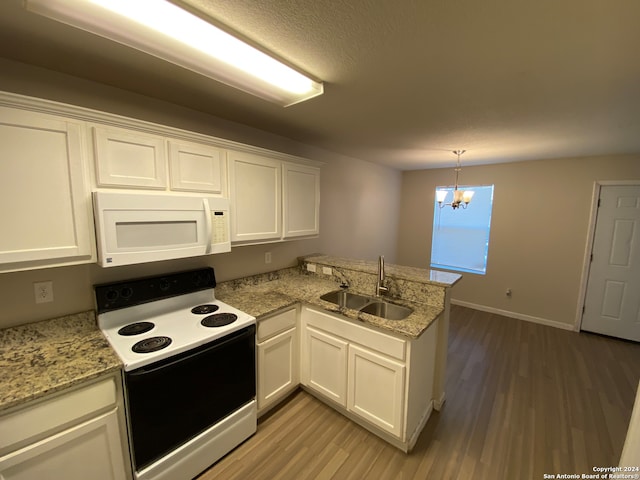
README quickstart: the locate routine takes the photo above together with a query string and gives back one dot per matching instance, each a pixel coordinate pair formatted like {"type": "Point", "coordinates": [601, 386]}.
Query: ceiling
{"type": "Point", "coordinates": [406, 81]}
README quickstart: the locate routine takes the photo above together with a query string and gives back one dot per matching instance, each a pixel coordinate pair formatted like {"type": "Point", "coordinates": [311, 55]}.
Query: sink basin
{"type": "Point", "coordinates": [372, 306]}
{"type": "Point", "coordinates": [347, 299]}
{"type": "Point", "coordinates": [388, 311]}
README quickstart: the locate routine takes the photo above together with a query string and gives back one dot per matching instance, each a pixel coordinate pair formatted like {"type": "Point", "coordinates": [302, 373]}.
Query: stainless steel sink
{"type": "Point", "coordinates": [389, 311]}
{"type": "Point", "coordinates": [372, 306]}
{"type": "Point", "coordinates": [347, 299]}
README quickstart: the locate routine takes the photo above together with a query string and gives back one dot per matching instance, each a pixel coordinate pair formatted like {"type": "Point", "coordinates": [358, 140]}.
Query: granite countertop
{"type": "Point", "coordinates": [291, 287]}
{"type": "Point", "coordinates": [418, 275]}
{"type": "Point", "coordinates": [40, 358]}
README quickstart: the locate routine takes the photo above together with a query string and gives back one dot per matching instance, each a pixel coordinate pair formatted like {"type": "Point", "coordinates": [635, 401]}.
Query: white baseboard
{"type": "Point", "coordinates": [519, 316]}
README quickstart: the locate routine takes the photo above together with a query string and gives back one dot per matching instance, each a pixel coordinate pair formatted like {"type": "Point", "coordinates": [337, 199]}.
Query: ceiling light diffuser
{"type": "Point", "coordinates": [162, 29]}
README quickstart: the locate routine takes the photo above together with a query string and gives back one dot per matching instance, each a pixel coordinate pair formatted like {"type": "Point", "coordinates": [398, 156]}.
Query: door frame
{"type": "Point", "coordinates": [586, 263]}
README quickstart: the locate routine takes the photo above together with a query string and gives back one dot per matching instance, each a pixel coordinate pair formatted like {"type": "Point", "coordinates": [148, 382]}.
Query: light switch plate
{"type": "Point", "coordinates": [326, 270]}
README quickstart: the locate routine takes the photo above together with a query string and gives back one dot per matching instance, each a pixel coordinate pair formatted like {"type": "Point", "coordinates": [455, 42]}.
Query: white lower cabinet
{"type": "Point", "coordinates": [381, 381]}
{"type": "Point", "coordinates": [278, 365]}
{"type": "Point", "coordinates": [376, 389]}
{"type": "Point", "coordinates": [326, 365]}
{"type": "Point", "coordinates": [89, 450]}
{"type": "Point", "coordinates": [75, 436]}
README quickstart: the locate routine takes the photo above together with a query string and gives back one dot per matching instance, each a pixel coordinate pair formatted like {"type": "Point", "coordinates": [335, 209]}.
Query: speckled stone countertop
{"type": "Point", "coordinates": [41, 358]}
{"type": "Point", "coordinates": [266, 294]}
{"type": "Point", "coordinates": [417, 275]}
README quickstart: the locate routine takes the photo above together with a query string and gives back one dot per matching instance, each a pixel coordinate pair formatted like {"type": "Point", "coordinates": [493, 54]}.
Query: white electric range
{"type": "Point", "coordinates": [189, 371]}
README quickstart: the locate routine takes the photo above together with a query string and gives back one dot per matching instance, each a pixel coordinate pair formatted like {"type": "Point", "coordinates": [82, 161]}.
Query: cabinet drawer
{"type": "Point", "coordinates": [55, 413]}
{"type": "Point", "coordinates": [392, 346]}
{"type": "Point", "coordinates": [280, 322]}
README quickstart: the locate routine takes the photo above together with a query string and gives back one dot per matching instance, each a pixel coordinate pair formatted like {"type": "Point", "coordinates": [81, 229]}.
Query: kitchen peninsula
{"type": "Point", "coordinates": [386, 375]}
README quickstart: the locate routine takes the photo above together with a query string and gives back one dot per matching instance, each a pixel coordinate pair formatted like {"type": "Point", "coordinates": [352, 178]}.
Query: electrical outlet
{"type": "Point", "coordinates": [267, 257]}
{"type": "Point", "coordinates": [43, 292]}
{"type": "Point", "coordinates": [326, 270]}
{"type": "Point", "coordinates": [311, 267]}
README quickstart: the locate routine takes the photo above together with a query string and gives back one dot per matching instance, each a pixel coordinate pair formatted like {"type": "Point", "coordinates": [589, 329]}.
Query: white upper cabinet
{"type": "Point", "coordinates": [301, 200]}
{"type": "Point", "coordinates": [256, 198]}
{"type": "Point", "coordinates": [126, 158]}
{"type": "Point", "coordinates": [197, 168]}
{"type": "Point", "coordinates": [272, 200]}
{"type": "Point", "coordinates": [46, 214]}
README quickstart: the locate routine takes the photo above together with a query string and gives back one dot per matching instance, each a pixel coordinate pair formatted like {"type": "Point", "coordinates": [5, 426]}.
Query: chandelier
{"type": "Point", "coordinates": [461, 198]}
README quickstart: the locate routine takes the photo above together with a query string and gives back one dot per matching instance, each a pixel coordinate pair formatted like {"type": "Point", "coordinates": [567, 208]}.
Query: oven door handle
{"type": "Point", "coordinates": [155, 368]}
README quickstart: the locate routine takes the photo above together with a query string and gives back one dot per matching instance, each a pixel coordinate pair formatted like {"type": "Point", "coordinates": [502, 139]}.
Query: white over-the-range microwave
{"type": "Point", "coordinates": [136, 228]}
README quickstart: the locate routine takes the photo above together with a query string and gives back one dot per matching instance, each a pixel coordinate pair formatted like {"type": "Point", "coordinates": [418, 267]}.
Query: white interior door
{"type": "Point", "coordinates": [612, 304]}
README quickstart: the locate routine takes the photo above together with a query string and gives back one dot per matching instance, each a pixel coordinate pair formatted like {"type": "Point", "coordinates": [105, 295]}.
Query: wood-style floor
{"type": "Point", "coordinates": [522, 400]}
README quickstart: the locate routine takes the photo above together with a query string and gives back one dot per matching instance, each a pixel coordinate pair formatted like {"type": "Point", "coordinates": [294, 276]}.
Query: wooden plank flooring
{"type": "Point", "coordinates": [522, 400]}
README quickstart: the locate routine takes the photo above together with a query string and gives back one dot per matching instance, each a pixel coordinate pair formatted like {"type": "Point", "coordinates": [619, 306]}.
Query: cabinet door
{"type": "Point", "coordinates": [325, 366]}
{"type": "Point", "coordinates": [277, 368]}
{"type": "Point", "coordinates": [300, 200]}
{"type": "Point", "coordinates": [197, 168]}
{"type": "Point", "coordinates": [376, 389]}
{"type": "Point", "coordinates": [46, 215]}
{"type": "Point", "coordinates": [125, 158]}
{"type": "Point", "coordinates": [256, 192]}
{"type": "Point", "coordinates": [89, 450]}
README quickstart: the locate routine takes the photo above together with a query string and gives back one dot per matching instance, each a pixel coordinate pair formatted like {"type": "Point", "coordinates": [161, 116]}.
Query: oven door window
{"type": "Point", "coordinates": [174, 400]}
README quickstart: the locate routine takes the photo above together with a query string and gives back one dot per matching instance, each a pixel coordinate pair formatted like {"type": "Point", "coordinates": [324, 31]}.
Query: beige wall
{"type": "Point", "coordinates": [355, 196]}
{"type": "Point", "coordinates": [539, 230]}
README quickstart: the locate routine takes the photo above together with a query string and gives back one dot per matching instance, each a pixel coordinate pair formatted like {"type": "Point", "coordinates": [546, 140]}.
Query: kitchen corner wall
{"type": "Point", "coordinates": [539, 231]}
{"type": "Point", "coordinates": [358, 210]}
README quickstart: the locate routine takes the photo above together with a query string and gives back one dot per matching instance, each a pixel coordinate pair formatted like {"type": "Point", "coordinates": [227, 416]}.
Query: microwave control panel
{"type": "Point", "coordinates": [220, 226]}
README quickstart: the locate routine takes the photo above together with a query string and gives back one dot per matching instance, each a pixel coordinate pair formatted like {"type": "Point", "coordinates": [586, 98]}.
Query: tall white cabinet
{"type": "Point", "coordinates": [300, 200]}
{"type": "Point", "coordinates": [46, 214]}
{"type": "Point", "coordinates": [256, 193]}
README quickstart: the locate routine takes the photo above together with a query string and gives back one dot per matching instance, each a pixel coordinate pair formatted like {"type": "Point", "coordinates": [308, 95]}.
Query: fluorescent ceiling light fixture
{"type": "Point", "coordinates": [162, 29]}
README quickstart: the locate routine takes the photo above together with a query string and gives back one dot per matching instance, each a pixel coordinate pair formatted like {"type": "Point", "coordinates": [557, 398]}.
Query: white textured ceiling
{"type": "Point", "coordinates": [406, 81]}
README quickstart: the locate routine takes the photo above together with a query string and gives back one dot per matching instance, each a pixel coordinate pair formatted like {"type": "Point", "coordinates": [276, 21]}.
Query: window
{"type": "Point", "coordinates": [461, 237]}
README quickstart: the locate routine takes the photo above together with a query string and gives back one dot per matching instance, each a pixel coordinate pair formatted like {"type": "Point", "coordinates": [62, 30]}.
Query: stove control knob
{"type": "Point", "coordinates": [111, 295]}
{"type": "Point", "coordinates": [164, 285]}
{"type": "Point", "coordinates": [126, 292]}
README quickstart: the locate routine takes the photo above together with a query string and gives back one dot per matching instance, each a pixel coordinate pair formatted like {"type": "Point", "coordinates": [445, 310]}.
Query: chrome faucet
{"type": "Point", "coordinates": [380, 288]}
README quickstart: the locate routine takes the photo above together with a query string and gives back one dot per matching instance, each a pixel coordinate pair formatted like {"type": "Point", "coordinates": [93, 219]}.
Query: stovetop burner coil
{"type": "Point", "coordinates": [151, 344]}
{"type": "Point", "coordinates": [135, 328]}
{"type": "Point", "coordinates": [219, 319]}
{"type": "Point", "coordinates": [204, 309]}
